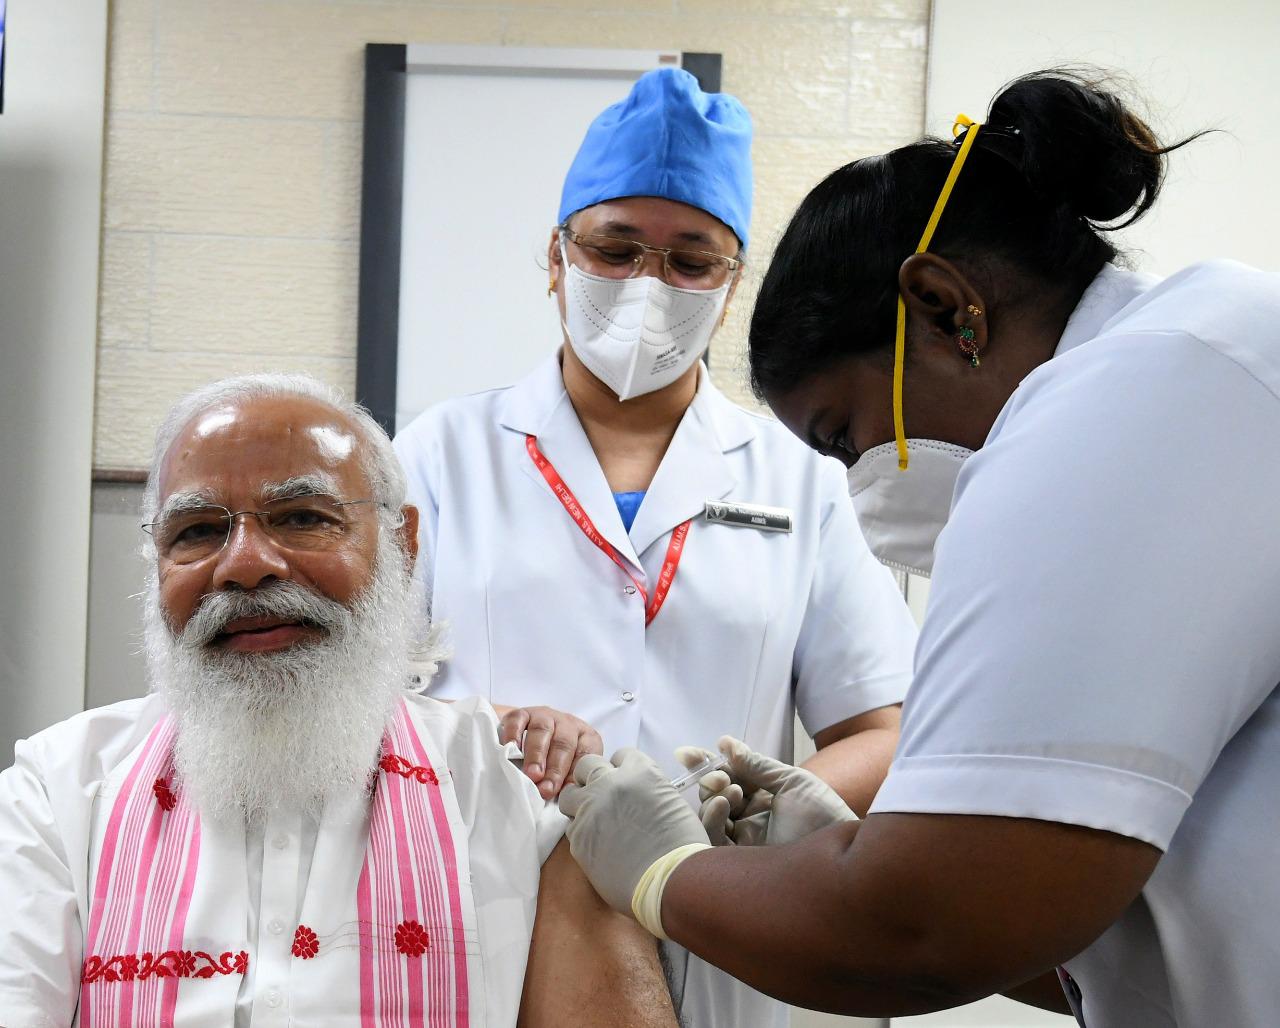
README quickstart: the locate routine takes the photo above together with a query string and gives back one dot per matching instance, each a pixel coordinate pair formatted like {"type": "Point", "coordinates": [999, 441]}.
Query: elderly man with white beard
{"type": "Point", "coordinates": [282, 832]}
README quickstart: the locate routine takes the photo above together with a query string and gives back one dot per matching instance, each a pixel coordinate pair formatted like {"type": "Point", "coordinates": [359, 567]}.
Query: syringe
{"type": "Point", "coordinates": [696, 774]}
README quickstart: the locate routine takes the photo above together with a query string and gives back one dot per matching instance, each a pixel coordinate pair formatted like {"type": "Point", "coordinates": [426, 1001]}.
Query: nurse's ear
{"type": "Point", "coordinates": [943, 306]}
{"type": "Point", "coordinates": [407, 534]}
{"type": "Point", "coordinates": [554, 257]}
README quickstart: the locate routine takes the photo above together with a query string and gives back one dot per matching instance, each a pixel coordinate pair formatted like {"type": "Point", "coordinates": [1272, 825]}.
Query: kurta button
{"type": "Point", "coordinates": [630, 590]}
{"type": "Point", "coordinates": [280, 841]}
{"type": "Point", "coordinates": [628, 696]}
{"type": "Point", "coordinates": [275, 926]}
{"type": "Point", "coordinates": [273, 998]}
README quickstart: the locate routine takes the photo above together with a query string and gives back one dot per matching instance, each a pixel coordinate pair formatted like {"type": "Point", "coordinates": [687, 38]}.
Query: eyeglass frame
{"type": "Point", "coordinates": [149, 527]}
{"type": "Point", "coordinates": [734, 264]}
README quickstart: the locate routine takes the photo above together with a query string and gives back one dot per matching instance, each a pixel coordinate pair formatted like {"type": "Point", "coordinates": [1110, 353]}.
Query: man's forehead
{"type": "Point", "coordinates": [259, 443]}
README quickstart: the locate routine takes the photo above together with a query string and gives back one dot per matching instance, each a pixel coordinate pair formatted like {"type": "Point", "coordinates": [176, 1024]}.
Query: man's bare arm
{"type": "Point", "coordinates": [587, 964]}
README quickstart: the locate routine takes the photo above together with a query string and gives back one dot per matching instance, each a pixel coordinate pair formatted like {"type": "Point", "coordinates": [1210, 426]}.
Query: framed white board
{"type": "Point", "coordinates": [466, 148]}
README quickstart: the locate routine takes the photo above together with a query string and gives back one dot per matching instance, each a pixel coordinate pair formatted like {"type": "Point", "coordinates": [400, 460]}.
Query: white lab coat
{"type": "Point", "coordinates": [253, 887]}
{"type": "Point", "coordinates": [1102, 646]}
{"type": "Point", "coordinates": [757, 625]}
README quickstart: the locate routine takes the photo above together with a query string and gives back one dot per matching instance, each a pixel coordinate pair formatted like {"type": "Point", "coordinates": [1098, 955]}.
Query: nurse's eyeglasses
{"type": "Point", "coordinates": [612, 257]}
{"type": "Point", "coordinates": [312, 522]}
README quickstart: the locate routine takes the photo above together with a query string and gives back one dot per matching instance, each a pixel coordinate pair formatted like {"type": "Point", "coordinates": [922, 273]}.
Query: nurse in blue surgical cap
{"type": "Point", "coordinates": [613, 537]}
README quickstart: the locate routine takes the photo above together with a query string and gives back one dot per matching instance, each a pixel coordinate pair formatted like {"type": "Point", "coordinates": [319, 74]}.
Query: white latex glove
{"type": "Point", "coordinates": [759, 801]}
{"type": "Point", "coordinates": [625, 816]}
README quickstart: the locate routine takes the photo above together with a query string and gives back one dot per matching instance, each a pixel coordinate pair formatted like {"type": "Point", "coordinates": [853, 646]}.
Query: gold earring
{"type": "Point", "coordinates": [974, 310]}
{"type": "Point", "coordinates": [552, 287]}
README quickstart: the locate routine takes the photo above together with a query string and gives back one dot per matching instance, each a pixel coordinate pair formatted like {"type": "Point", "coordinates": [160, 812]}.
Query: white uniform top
{"type": "Point", "coordinates": [1102, 645]}
{"type": "Point", "coordinates": [52, 816]}
{"type": "Point", "coordinates": [757, 624]}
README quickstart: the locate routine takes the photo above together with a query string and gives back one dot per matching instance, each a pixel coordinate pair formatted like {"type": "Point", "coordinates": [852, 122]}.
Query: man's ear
{"type": "Point", "coordinates": [939, 295]}
{"type": "Point", "coordinates": [408, 534]}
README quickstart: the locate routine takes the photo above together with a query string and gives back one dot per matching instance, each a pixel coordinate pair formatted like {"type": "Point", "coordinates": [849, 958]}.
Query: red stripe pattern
{"type": "Point", "coordinates": [141, 895]}
{"type": "Point", "coordinates": [413, 942]}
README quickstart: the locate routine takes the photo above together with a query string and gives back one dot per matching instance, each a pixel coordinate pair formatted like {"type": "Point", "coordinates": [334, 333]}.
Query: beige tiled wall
{"type": "Point", "coordinates": [230, 222]}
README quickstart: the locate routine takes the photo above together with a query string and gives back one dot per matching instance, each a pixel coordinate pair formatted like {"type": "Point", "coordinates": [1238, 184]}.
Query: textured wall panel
{"type": "Point", "coordinates": [253, 296]}
{"type": "Point", "coordinates": [124, 307]}
{"type": "Point", "coordinates": [289, 60]}
{"type": "Point", "coordinates": [136, 387]}
{"type": "Point", "coordinates": [130, 55]}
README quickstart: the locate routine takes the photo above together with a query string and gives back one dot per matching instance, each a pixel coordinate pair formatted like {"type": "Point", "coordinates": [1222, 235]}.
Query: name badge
{"type": "Point", "coordinates": [749, 515]}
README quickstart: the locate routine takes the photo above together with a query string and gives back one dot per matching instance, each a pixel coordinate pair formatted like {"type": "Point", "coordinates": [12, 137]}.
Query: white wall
{"type": "Point", "coordinates": [50, 213]}
{"type": "Point", "coordinates": [1198, 66]}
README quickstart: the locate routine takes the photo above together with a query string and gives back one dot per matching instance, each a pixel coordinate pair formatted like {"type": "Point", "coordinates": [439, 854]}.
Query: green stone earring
{"type": "Point", "coordinates": [967, 341]}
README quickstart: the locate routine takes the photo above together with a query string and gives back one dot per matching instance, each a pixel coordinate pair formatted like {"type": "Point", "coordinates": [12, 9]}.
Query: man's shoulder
{"type": "Point", "coordinates": [87, 746]}
{"type": "Point", "coordinates": [469, 723]}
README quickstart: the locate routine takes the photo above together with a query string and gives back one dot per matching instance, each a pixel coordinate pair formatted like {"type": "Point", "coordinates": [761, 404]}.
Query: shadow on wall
{"type": "Point", "coordinates": [117, 668]}
{"type": "Point", "coordinates": [31, 391]}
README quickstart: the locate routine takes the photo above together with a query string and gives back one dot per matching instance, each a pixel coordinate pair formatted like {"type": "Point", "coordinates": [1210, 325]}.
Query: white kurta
{"type": "Point", "coordinates": [253, 888]}
{"type": "Point", "coordinates": [757, 626]}
{"type": "Point", "coordinates": [1102, 646]}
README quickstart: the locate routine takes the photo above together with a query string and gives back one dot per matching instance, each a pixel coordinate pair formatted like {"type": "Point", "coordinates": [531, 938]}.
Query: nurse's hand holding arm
{"type": "Point", "coordinates": [552, 742]}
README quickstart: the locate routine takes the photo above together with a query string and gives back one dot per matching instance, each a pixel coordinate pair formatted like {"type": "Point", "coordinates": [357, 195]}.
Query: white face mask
{"type": "Point", "coordinates": [902, 512]}
{"type": "Point", "coordinates": [638, 334]}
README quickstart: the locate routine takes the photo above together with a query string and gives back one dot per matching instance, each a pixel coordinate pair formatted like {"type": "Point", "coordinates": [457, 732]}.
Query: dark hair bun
{"type": "Point", "coordinates": [1081, 146]}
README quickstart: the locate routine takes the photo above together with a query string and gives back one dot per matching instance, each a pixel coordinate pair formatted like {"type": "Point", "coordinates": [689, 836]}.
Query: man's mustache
{"type": "Point", "coordinates": [288, 601]}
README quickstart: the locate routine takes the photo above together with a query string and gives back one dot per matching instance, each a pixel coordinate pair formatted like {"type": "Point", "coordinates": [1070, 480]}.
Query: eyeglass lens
{"type": "Point", "coordinates": [611, 257]}
{"type": "Point", "coordinates": [303, 523]}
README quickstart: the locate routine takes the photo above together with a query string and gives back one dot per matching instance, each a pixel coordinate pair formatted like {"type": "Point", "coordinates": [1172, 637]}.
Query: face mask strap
{"type": "Point", "coordinates": [970, 129]}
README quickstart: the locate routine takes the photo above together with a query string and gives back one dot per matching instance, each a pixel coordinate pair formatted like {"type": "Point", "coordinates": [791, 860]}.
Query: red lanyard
{"type": "Point", "coordinates": [580, 518]}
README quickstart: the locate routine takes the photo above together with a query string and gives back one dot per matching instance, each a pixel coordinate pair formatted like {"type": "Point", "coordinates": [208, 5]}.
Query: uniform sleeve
{"type": "Point", "coordinates": [1103, 611]}
{"type": "Point", "coordinates": [854, 650]}
{"type": "Point", "coordinates": [40, 931]}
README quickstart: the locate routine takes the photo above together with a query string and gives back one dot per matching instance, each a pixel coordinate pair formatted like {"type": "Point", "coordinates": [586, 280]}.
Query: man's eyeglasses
{"type": "Point", "coordinates": [299, 523]}
{"type": "Point", "coordinates": [612, 257]}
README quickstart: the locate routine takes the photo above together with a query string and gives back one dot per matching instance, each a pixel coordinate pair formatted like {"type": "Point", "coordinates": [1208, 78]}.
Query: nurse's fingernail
{"type": "Point", "coordinates": [547, 789]}
{"type": "Point", "coordinates": [533, 769]}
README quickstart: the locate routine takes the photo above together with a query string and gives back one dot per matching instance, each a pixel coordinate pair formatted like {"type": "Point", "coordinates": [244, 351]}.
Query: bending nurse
{"type": "Point", "coordinates": [565, 520]}
{"type": "Point", "coordinates": [1092, 739]}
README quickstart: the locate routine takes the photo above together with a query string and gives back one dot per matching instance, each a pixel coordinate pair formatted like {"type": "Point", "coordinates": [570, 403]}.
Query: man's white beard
{"type": "Point", "coordinates": [293, 729]}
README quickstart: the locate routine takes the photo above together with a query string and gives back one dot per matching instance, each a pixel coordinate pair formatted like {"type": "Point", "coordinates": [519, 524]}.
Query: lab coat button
{"type": "Point", "coordinates": [628, 696]}
{"type": "Point", "coordinates": [275, 926]}
{"type": "Point", "coordinates": [630, 590]}
{"type": "Point", "coordinates": [280, 841]}
{"type": "Point", "coordinates": [273, 998]}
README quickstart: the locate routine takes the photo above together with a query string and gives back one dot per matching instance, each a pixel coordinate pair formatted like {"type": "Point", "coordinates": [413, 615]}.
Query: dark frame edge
{"type": "Point", "coordinates": [705, 67]}
{"type": "Point", "coordinates": [381, 203]}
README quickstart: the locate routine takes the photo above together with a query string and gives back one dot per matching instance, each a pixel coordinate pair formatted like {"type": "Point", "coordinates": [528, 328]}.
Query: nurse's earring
{"type": "Point", "coordinates": [967, 339]}
{"type": "Point", "coordinates": [552, 287]}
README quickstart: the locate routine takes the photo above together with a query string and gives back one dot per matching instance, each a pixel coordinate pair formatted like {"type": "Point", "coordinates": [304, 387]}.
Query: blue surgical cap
{"type": "Point", "coordinates": [668, 139]}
